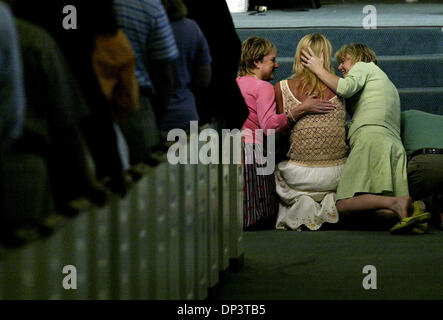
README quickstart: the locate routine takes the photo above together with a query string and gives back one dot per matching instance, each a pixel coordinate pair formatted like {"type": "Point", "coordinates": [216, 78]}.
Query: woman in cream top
{"type": "Point", "coordinates": [307, 181]}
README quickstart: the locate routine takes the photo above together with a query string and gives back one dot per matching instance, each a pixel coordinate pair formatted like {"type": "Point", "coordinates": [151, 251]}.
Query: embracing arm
{"type": "Point", "coordinates": [346, 87]}
{"type": "Point", "coordinates": [315, 64]}
{"type": "Point", "coordinates": [312, 105]}
{"type": "Point", "coordinates": [279, 98]}
{"type": "Point", "coordinates": [329, 79]}
{"type": "Point", "coordinates": [266, 110]}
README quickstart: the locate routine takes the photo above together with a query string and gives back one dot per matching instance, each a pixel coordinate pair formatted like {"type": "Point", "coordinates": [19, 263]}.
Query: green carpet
{"type": "Point", "coordinates": [328, 265]}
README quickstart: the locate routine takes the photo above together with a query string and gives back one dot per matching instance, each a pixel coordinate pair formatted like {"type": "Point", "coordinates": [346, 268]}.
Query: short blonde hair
{"type": "Point", "coordinates": [358, 52]}
{"type": "Point", "coordinates": [253, 49]}
{"type": "Point", "coordinates": [319, 45]}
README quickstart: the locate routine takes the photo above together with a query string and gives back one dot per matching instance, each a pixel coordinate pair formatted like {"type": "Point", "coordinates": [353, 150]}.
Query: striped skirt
{"type": "Point", "coordinates": [260, 201]}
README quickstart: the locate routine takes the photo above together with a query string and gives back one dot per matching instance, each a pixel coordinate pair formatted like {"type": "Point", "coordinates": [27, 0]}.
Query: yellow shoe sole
{"type": "Point", "coordinates": [407, 224]}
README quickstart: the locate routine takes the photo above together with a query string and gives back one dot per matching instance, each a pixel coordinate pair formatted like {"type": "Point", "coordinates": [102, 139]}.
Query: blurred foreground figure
{"type": "Point", "coordinates": [147, 26]}
{"type": "Point", "coordinates": [78, 47]}
{"type": "Point", "coordinates": [12, 97]}
{"type": "Point", "coordinates": [223, 101]}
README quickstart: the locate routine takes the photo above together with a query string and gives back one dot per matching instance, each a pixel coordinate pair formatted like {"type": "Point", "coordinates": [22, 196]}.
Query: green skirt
{"type": "Point", "coordinates": [376, 164]}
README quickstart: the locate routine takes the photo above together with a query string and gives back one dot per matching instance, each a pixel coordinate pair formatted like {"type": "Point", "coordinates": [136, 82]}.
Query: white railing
{"type": "Point", "coordinates": [169, 238]}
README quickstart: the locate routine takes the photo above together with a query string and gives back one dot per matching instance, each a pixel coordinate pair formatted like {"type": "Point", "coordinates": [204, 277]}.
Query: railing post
{"type": "Point", "coordinates": [48, 255]}
{"type": "Point", "coordinates": [213, 245]}
{"type": "Point", "coordinates": [101, 238]}
{"type": "Point", "coordinates": [78, 234]}
{"type": "Point", "coordinates": [2, 274]}
{"type": "Point", "coordinates": [201, 232]}
{"type": "Point", "coordinates": [21, 282]}
{"type": "Point", "coordinates": [236, 191]}
{"type": "Point", "coordinates": [145, 253]}
{"type": "Point", "coordinates": [158, 231]}
{"type": "Point", "coordinates": [173, 229]}
{"type": "Point", "coordinates": [223, 219]}
{"type": "Point", "coordinates": [125, 244]}
{"type": "Point", "coordinates": [187, 226]}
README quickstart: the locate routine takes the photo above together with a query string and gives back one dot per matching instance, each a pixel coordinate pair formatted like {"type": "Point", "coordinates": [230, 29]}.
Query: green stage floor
{"type": "Point", "coordinates": [328, 265]}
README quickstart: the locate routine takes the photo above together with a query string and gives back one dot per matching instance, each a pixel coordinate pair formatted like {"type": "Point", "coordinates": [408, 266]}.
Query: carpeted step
{"type": "Point", "coordinates": [424, 99]}
{"type": "Point", "coordinates": [412, 57]}
{"type": "Point", "coordinates": [419, 71]}
{"type": "Point", "coordinates": [412, 71]}
{"type": "Point", "coordinates": [385, 41]}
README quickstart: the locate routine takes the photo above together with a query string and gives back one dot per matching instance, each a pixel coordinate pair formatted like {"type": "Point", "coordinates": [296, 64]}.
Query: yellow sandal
{"type": "Point", "coordinates": [406, 225]}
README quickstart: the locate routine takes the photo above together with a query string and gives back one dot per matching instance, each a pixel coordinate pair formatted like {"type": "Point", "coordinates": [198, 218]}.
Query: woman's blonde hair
{"type": "Point", "coordinates": [319, 45]}
{"type": "Point", "coordinates": [358, 52]}
{"type": "Point", "coordinates": [253, 49]}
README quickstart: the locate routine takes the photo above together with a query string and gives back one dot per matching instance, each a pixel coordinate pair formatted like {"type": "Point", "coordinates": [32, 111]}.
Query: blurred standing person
{"type": "Point", "coordinates": [114, 64]}
{"type": "Point", "coordinates": [192, 70]}
{"type": "Point", "coordinates": [78, 47]}
{"type": "Point", "coordinates": [12, 95]}
{"type": "Point", "coordinates": [229, 108]}
{"type": "Point", "coordinates": [147, 26]}
{"type": "Point", "coordinates": [48, 163]}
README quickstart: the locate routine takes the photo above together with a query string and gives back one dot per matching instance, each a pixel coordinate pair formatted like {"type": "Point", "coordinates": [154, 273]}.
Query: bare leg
{"type": "Point", "coordinates": [386, 214]}
{"type": "Point", "coordinates": [383, 205]}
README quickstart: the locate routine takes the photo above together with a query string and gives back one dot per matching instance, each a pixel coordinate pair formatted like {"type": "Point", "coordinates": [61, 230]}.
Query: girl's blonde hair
{"type": "Point", "coordinates": [253, 49]}
{"type": "Point", "coordinates": [320, 45]}
{"type": "Point", "coordinates": [358, 52]}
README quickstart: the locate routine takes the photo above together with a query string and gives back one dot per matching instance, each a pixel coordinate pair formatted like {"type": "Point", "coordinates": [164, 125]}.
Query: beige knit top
{"type": "Point", "coordinates": [316, 140]}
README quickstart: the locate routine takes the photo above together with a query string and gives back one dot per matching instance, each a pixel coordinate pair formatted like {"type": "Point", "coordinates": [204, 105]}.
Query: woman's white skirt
{"type": "Point", "coordinates": [307, 195]}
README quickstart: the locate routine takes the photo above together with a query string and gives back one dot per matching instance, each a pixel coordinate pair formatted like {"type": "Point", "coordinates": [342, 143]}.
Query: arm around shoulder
{"type": "Point", "coordinates": [354, 81]}
{"type": "Point", "coordinates": [266, 108]}
{"type": "Point", "coordinates": [279, 98]}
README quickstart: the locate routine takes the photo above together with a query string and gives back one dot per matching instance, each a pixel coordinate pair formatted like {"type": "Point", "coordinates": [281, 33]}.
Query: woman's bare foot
{"type": "Point", "coordinates": [403, 206]}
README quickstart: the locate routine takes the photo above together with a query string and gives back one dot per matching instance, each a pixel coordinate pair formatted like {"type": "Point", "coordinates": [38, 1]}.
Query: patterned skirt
{"type": "Point", "coordinates": [260, 202]}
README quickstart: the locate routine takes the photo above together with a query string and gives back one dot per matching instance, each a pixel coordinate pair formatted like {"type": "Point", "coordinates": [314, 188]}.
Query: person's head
{"type": "Point", "coordinates": [176, 9]}
{"type": "Point", "coordinates": [320, 46]}
{"type": "Point", "coordinates": [350, 54]}
{"type": "Point", "coordinates": [258, 58]}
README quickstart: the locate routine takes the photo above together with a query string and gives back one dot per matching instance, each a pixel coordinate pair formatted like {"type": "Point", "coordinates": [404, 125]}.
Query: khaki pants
{"type": "Point", "coordinates": [425, 177]}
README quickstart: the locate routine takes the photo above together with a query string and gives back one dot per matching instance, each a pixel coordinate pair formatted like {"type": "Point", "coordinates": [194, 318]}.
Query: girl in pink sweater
{"type": "Point", "coordinates": [257, 65]}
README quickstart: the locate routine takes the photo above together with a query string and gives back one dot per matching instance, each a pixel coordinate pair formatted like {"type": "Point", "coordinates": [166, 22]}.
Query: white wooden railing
{"type": "Point", "coordinates": [169, 238]}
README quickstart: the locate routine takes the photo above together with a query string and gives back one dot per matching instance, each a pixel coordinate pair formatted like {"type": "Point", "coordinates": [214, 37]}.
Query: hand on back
{"type": "Point", "coordinates": [313, 105]}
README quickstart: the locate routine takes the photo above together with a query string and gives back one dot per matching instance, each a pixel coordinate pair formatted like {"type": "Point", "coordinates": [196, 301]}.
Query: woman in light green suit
{"type": "Point", "coordinates": [374, 179]}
